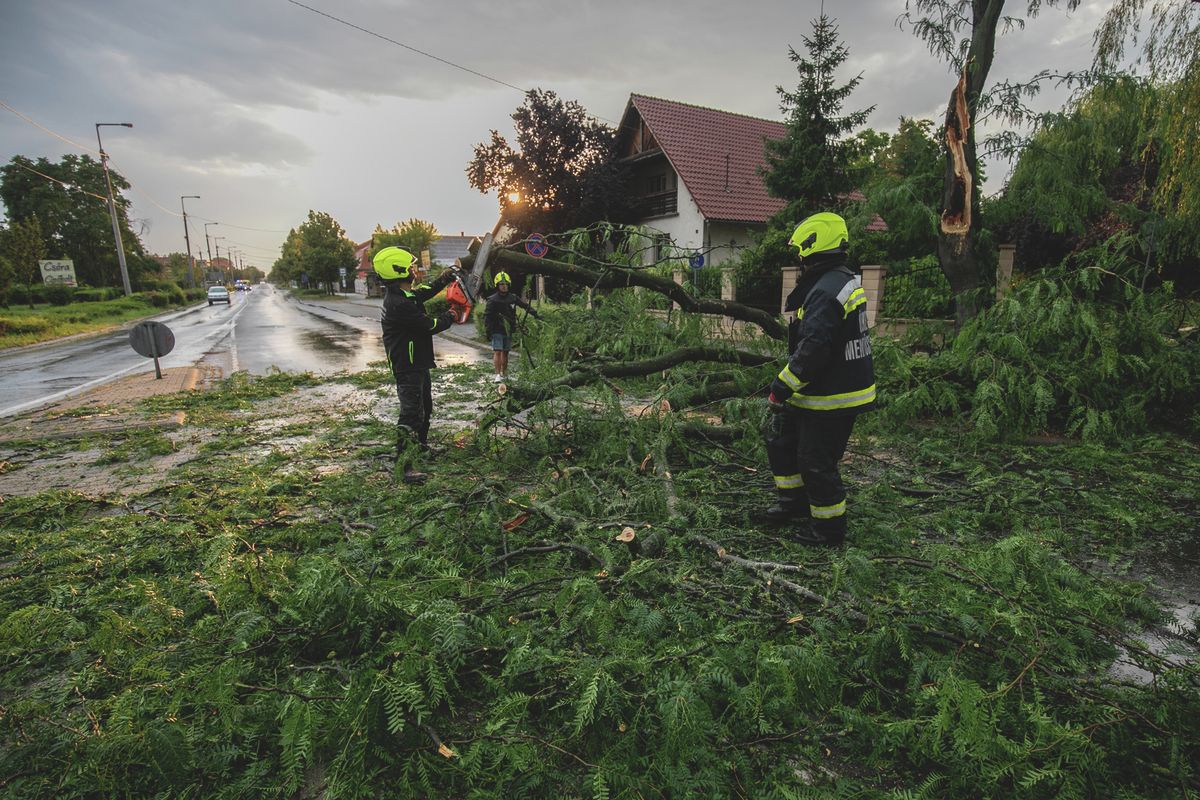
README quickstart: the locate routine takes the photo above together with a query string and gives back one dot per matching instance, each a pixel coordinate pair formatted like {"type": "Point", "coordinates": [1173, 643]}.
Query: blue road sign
{"type": "Point", "coordinates": [696, 261]}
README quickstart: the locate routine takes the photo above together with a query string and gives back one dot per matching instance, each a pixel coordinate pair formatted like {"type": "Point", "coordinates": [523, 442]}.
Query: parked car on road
{"type": "Point", "coordinates": [218, 294]}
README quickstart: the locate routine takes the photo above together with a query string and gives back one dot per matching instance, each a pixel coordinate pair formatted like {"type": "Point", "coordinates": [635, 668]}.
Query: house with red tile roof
{"type": "Point", "coordinates": [695, 174]}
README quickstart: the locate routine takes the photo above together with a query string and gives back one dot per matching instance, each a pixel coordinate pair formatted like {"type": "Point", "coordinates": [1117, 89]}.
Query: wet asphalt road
{"type": "Point", "coordinates": [257, 332]}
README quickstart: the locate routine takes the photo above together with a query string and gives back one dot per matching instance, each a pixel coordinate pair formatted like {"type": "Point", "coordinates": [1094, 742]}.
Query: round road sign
{"type": "Point", "coordinates": [151, 339]}
{"type": "Point", "coordinates": [536, 245]}
{"type": "Point", "coordinates": [696, 261]}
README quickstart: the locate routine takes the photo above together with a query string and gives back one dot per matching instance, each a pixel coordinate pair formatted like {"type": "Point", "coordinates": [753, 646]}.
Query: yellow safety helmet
{"type": "Point", "coordinates": [392, 263]}
{"type": "Point", "coordinates": [501, 277]}
{"type": "Point", "coordinates": [821, 233]}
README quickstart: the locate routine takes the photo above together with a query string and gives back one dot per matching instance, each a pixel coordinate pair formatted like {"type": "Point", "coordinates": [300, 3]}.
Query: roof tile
{"type": "Point", "coordinates": [717, 155]}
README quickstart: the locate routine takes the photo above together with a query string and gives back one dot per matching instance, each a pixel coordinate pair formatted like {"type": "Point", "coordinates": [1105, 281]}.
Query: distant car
{"type": "Point", "coordinates": [218, 294]}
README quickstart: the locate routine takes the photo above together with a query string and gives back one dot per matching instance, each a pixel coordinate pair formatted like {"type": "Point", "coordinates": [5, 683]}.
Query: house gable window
{"type": "Point", "coordinates": [658, 196]}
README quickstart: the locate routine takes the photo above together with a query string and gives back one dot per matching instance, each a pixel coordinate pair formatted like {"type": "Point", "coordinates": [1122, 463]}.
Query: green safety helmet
{"type": "Point", "coordinates": [392, 263]}
{"type": "Point", "coordinates": [501, 277]}
{"type": "Point", "coordinates": [821, 233]}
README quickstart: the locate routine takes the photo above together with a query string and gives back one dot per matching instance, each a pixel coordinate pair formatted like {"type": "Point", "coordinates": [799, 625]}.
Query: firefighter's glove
{"type": "Point", "coordinates": [775, 404]}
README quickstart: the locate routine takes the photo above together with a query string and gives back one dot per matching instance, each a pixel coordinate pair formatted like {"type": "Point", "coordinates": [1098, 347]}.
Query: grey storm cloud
{"type": "Point", "coordinates": [254, 88]}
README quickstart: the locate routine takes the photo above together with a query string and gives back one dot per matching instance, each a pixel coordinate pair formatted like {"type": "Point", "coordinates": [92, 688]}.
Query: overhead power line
{"type": "Point", "coordinates": [239, 227]}
{"type": "Point", "coordinates": [408, 47]}
{"type": "Point", "coordinates": [63, 184]}
{"type": "Point", "coordinates": [43, 128]}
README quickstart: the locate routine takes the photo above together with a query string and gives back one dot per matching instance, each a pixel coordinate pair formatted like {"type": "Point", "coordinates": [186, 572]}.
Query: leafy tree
{"type": "Point", "coordinates": [811, 166]}
{"type": "Point", "coordinates": [318, 248]}
{"type": "Point", "coordinates": [75, 219]}
{"type": "Point", "coordinates": [904, 189]}
{"type": "Point", "coordinates": [866, 148]}
{"type": "Point", "coordinates": [1086, 174]}
{"type": "Point", "coordinates": [22, 245]}
{"type": "Point", "coordinates": [176, 268]}
{"type": "Point", "coordinates": [7, 274]}
{"type": "Point", "coordinates": [414, 235]}
{"type": "Point", "coordinates": [1172, 51]}
{"type": "Point", "coordinates": [563, 173]}
{"type": "Point", "coordinates": [964, 34]}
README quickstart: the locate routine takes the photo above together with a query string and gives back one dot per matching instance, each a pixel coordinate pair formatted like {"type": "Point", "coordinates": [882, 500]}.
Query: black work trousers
{"type": "Point", "coordinates": [415, 392]}
{"type": "Point", "coordinates": [804, 449]}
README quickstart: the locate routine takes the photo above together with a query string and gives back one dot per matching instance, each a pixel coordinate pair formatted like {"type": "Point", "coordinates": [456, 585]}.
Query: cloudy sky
{"type": "Point", "coordinates": [267, 109]}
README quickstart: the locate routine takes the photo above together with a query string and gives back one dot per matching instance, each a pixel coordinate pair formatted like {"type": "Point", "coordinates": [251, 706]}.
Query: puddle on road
{"type": "Point", "coordinates": [1175, 586]}
{"type": "Point", "coordinates": [1163, 642]}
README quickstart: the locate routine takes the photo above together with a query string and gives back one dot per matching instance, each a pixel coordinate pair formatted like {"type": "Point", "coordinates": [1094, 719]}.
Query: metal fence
{"type": "Point", "coordinates": [917, 288]}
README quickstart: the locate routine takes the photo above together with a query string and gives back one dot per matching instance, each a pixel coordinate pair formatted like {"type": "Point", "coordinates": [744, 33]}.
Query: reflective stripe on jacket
{"type": "Point", "coordinates": [830, 369]}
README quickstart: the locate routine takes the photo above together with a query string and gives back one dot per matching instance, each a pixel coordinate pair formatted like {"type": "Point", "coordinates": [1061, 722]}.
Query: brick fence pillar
{"type": "Point", "coordinates": [873, 278]}
{"type": "Point", "coordinates": [1004, 269]}
{"type": "Point", "coordinates": [728, 286]}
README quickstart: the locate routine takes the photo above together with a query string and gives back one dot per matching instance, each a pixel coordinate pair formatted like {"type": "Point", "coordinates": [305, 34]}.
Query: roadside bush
{"type": "Point", "coordinates": [1082, 351]}
{"type": "Point", "coordinates": [92, 295]}
{"type": "Point", "coordinates": [20, 325]}
{"type": "Point", "coordinates": [59, 295]}
{"type": "Point", "coordinates": [194, 294]}
{"type": "Point", "coordinates": [156, 299]}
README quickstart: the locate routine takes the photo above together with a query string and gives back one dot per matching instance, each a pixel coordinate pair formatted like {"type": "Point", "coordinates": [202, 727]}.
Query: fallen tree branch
{"type": "Point", "coordinates": [770, 570]}
{"type": "Point", "coordinates": [551, 547]}
{"type": "Point", "coordinates": [615, 277]}
{"type": "Point", "coordinates": [581, 376]}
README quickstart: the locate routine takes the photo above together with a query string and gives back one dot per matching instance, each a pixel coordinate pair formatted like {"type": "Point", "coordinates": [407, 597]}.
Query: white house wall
{"type": "Point", "coordinates": [685, 227]}
{"type": "Point", "coordinates": [726, 240]}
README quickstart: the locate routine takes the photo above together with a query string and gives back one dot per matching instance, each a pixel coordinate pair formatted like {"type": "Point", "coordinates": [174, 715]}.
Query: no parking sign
{"type": "Point", "coordinates": [536, 245]}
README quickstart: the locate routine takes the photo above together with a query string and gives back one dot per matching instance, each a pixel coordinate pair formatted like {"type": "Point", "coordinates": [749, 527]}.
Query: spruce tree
{"type": "Point", "coordinates": [810, 166]}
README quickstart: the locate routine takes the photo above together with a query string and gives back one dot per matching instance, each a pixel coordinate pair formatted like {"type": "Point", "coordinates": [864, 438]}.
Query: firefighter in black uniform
{"type": "Point", "coordinates": [828, 381]}
{"type": "Point", "coordinates": [500, 320]}
{"type": "Point", "coordinates": [408, 339]}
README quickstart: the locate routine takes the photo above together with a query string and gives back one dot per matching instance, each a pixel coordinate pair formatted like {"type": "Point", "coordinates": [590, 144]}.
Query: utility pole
{"type": "Point", "coordinates": [208, 244]}
{"type": "Point", "coordinates": [187, 241]}
{"type": "Point", "coordinates": [112, 203]}
{"type": "Point", "coordinates": [218, 246]}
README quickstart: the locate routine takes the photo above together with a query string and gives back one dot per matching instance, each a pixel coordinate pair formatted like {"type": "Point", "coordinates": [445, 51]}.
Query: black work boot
{"type": "Point", "coordinates": [413, 477]}
{"type": "Point", "coordinates": [789, 509]}
{"type": "Point", "coordinates": [822, 534]}
{"type": "Point", "coordinates": [407, 451]}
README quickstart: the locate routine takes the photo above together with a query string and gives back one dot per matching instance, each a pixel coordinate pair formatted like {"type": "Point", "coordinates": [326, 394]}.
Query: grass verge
{"type": "Point", "coordinates": [20, 326]}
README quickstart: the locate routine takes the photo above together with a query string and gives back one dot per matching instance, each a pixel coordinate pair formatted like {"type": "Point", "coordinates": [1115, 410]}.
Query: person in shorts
{"type": "Point", "coordinates": [500, 320]}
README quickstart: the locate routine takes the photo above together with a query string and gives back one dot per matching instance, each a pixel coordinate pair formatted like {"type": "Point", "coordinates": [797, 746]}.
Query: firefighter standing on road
{"type": "Point", "coordinates": [500, 320]}
{"type": "Point", "coordinates": [408, 339]}
{"type": "Point", "coordinates": [828, 381]}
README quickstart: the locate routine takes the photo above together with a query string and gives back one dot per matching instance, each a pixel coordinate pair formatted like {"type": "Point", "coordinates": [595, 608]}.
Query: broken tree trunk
{"type": "Point", "coordinates": [960, 201]}
{"type": "Point", "coordinates": [614, 277]}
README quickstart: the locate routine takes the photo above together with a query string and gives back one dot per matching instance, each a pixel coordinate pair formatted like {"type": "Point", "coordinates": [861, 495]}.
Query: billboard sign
{"type": "Point", "coordinates": [58, 272]}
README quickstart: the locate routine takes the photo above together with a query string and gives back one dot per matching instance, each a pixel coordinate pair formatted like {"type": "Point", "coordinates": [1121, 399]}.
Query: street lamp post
{"type": "Point", "coordinates": [188, 241]}
{"type": "Point", "coordinates": [208, 244]}
{"type": "Point", "coordinates": [112, 203]}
